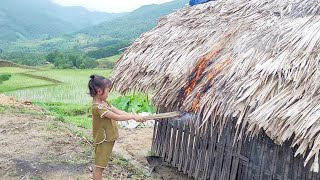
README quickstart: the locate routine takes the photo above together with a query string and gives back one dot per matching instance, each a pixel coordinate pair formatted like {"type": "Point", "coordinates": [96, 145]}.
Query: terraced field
{"type": "Point", "coordinates": [49, 85]}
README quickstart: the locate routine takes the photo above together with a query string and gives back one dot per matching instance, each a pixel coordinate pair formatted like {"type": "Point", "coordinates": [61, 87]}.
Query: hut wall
{"type": "Point", "coordinates": [201, 154]}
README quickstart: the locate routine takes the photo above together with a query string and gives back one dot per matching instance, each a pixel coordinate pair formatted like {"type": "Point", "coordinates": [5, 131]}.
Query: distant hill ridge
{"type": "Point", "coordinates": [29, 32]}
{"type": "Point", "coordinates": [23, 19]}
{"type": "Point", "coordinates": [136, 22]}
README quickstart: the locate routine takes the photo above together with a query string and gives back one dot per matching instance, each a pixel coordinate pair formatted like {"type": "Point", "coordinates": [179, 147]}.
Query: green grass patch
{"type": "Point", "coordinates": [4, 77]}
{"type": "Point", "coordinates": [114, 58]}
{"type": "Point", "coordinates": [19, 81]}
{"type": "Point", "coordinates": [13, 70]}
{"type": "Point", "coordinates": [75, 114]}
{"type": "Point", "coordinates": [108, 62]}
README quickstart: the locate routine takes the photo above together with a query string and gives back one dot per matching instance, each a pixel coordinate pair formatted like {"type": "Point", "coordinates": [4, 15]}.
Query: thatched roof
{"type": "Point", "coordinates": [255, 60]}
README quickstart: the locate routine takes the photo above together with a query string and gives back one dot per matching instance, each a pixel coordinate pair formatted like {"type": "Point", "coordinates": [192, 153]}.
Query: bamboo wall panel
{"type": "Point", "coordinates": [202, 154]}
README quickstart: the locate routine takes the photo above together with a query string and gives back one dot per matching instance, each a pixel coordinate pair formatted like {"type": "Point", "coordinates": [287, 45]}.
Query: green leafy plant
{"type": "Point", "coordinates": [137, 103]}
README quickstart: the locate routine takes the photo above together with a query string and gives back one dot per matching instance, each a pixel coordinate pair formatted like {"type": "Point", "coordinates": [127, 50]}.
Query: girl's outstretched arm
{"type": "Point", "coordinates": [122, 117]}
{"type": "Point", "coordinates": [118, 111]}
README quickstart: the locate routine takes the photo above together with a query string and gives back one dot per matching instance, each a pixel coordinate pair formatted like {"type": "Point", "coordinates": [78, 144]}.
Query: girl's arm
{"type": "Point", "coordinates": [123, 117]}
{"type": "Point", "coordinates": [118, 111]}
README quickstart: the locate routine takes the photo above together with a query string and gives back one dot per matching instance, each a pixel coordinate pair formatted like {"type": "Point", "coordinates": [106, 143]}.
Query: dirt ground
{"type": "Point", "coordinates": [36, 146]}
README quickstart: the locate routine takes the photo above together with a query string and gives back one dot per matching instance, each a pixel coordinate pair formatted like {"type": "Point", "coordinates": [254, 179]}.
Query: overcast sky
{"type": "Point", "coordinates": [109, 5]}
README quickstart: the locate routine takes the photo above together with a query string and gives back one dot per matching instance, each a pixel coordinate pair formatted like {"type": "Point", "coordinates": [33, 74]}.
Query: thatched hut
{"type": "Point", "coordinates": [250, 70]}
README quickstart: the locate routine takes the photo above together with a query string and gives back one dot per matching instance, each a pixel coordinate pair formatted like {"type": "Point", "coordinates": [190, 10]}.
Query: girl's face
{"type": "Point", "coordinates": [103, 95]}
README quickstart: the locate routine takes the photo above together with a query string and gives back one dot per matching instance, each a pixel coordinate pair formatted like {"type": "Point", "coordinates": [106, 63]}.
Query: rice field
{"type": "Point", "coordinates": [73, 88]}
{"type": "Point", "coordinates": [13, 70]}
{"type": "Point", "coordinates": [18, 81]}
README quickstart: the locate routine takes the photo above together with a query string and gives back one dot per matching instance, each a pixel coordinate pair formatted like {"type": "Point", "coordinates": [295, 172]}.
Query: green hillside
{"type": "Point", "coordinates": [95, 42]}
{"type": "Point", "coordinates": [42, 18]}
{"type": "Point", "coordinates": [135, 23]}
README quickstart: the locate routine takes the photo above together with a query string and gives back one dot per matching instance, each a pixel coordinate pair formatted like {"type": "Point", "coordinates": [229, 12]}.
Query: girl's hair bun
{"type": "Point", "coordinates": [98, 82]}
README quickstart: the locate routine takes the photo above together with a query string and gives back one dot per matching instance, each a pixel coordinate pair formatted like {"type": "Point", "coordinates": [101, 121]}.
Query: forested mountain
{"type": "Point", "coordinates": [136, 22]}
{"type": "Point", "coordinates": [25, 19]}
{"type": "Point", "coordinates": [35, 32]}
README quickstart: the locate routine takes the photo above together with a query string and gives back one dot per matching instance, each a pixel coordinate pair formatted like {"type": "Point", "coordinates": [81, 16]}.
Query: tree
{"type": "Point", "coordinates": [71, 60]}
{"type": "Point", "coordinates": [89, 63]}
{"type": "Point", "coordinates": [76, 60]}
{"type": "Point", "coordinates": [51, 57]}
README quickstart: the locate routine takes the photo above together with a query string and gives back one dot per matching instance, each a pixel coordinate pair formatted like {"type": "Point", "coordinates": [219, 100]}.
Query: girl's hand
{"type": "Point", "coordinates": [139, 118]}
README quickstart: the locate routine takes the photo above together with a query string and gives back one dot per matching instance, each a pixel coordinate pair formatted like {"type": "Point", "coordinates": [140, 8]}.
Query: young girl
{"type": "Point", "coordinates": [104, 126]}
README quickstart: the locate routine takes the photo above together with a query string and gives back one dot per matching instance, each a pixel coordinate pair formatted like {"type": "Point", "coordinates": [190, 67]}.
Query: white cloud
{"type": "Point", "coordinates": [109, 5]}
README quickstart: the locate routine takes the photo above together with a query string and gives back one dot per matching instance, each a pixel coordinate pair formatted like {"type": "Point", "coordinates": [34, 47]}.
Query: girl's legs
{"type": "Point", "coordinates": [97, 173]}
{"type": "Point", "coordinates": [102, 155]}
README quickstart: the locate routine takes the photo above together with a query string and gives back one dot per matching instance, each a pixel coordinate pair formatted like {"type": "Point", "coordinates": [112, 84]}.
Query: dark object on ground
{"type": "Point", "coordinates": [154, 161]}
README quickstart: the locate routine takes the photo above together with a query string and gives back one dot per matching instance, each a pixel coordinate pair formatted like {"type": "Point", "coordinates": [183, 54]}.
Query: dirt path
{"type": "Point", "coordinates": [35, 146]}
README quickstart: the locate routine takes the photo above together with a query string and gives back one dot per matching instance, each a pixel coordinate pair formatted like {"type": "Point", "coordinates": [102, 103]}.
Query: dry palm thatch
{"type": "Point", "coordinates": [255, 60]}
